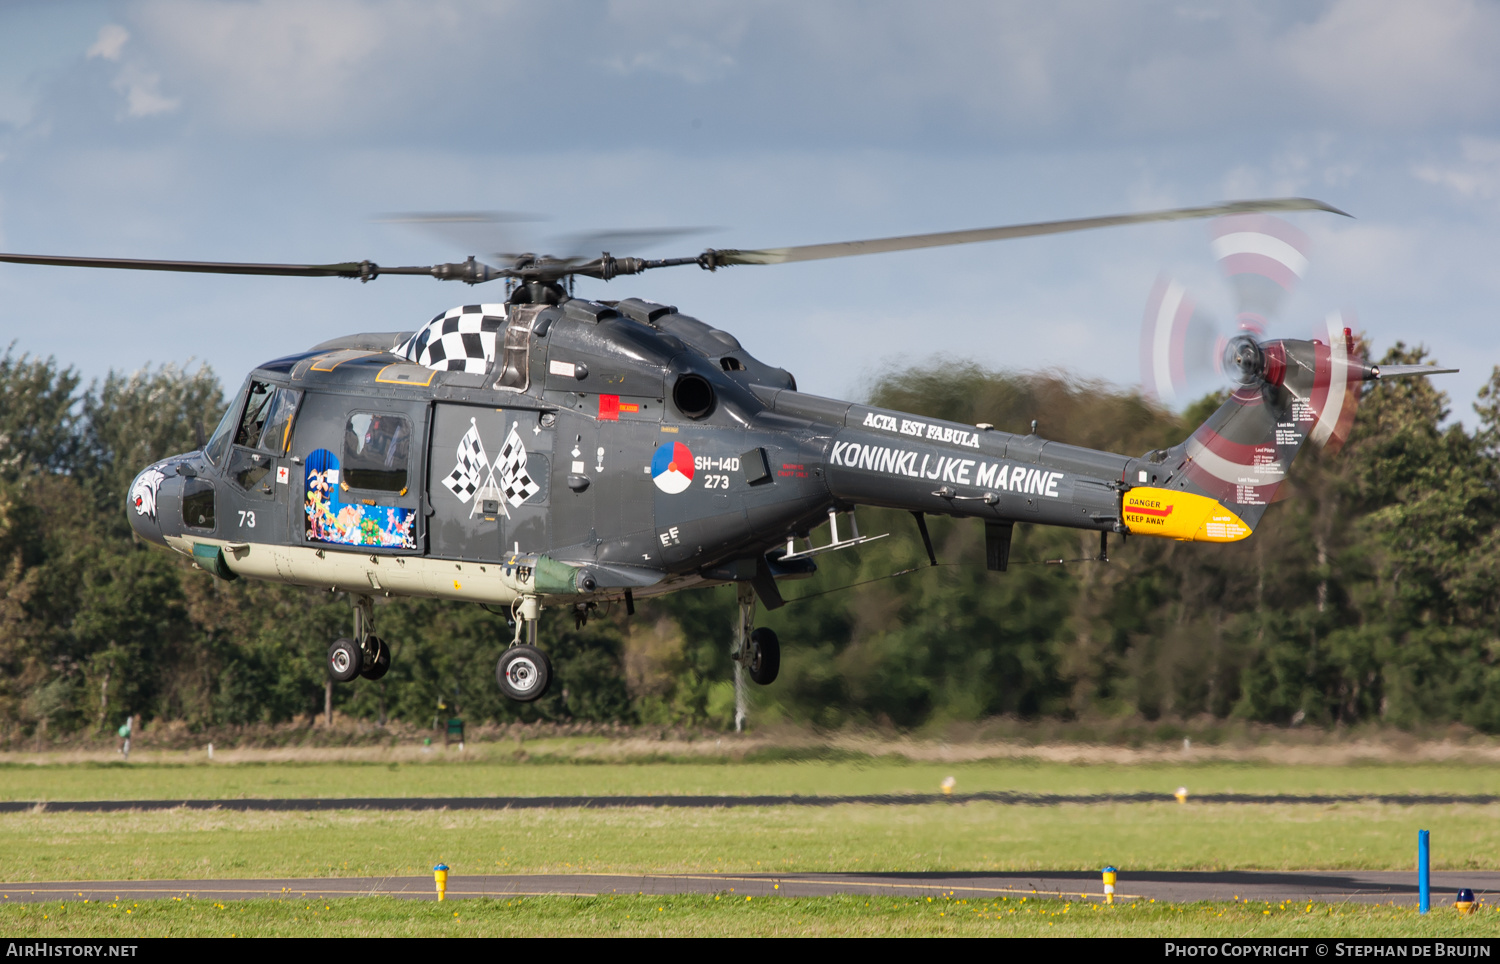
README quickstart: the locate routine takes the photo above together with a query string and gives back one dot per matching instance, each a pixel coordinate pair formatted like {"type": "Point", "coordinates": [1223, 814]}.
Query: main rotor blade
{"type": "Point", "coordinates": [471, 272]}
{"type": "Point", "coordinates": [346, 269]}
{"type": "Point", "coordinates": [496, 235]}
{"type": "Point", "coordinates": [575, 247]}
{"type": "Point", "coordinates": [845, 249]}
{"type": "Point", "coordinates": [458, 217]}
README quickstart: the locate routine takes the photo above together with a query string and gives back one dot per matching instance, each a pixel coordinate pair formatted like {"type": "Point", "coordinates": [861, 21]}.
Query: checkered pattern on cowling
{"type": "Point", "coordinates": [461, 339]}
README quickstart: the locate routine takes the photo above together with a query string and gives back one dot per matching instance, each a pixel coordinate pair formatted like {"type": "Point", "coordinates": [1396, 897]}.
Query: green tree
{"type": "Point", "coordinates": [131, 421]}
{"type": "Point", "coordinates": [38, 415]}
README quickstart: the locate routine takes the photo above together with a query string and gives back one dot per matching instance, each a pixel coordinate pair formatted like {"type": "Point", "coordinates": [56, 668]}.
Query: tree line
{"type": "Point", "coordinates": [1368, 595]}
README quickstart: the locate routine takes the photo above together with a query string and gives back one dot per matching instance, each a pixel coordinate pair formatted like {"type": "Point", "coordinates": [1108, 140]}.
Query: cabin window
{"type": "Point", "coordinates": [377, 448]}
{"type": "Point", "coordinates": [198, 504]}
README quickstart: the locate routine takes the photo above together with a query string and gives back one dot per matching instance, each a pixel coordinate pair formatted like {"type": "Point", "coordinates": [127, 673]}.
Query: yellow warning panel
{"type": "Point", "coordinates": [1186, 516]}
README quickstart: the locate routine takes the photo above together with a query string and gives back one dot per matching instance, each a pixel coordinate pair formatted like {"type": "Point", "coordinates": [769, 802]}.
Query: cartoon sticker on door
{"type": "Point", "coordinates": [330, 519]}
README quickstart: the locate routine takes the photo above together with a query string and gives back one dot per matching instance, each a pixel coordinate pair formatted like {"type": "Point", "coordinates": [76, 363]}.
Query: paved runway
{"type": "Point", "coordinates": [691, 802]}
{"type": "Point", "coordinates": [1332, 886]}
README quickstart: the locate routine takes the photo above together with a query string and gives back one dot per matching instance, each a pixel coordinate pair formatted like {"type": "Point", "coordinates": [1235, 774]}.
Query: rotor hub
{"type": "Point", "coordinates": [1244, 361]}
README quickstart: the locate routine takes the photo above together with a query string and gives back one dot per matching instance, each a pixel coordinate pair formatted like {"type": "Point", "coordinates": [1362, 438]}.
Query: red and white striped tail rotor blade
{"type": "Point", "coordinates": [1263, 257]}
{"type": "Point", "coordinates": [1177, 344]}
{"type": "Point", "coordinates": [1336, 385]}
{"type": "Point", "coordinates": [1234, 456]}
{"type": "Point", "coordinates": [1162, 328]}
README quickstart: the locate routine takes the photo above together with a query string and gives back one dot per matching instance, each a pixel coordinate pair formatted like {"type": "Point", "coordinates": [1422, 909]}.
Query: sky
{"type": "Point", "coordinates": [288, 130]}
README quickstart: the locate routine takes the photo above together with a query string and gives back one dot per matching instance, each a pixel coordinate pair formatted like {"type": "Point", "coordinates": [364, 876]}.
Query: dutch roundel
{"type": "Point", "coordinates": [672, 468]}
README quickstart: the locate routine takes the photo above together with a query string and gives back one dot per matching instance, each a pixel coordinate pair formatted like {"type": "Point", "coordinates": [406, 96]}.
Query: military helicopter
{"type": "Point", "coordinates": [557, 451]}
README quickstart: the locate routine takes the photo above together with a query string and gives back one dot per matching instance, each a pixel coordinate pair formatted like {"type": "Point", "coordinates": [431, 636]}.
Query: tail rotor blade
{"type": "Point", "coordinates": [1263, 257]}
{"type": "Point", "coordinates": [1234, 455]}
{"type": "Point", "coordinates": [1336, 384]}
{"type": "Point", "coordinates": [1180, 343]}
{"type": "Point", "coordinates": [1183, 348]}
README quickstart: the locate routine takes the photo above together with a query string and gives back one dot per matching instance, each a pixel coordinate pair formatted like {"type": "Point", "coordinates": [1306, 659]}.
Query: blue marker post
{"type": "Point", "coordinates": [1424, 874]}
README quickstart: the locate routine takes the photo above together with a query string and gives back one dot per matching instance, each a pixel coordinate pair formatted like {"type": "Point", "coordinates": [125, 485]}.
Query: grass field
{"type": "Point", "coordinates": [965, 837]}
{"type": "Point", "coordinates": [493, 774]}
{"type": "Point", "coordinates": [726, 916]}
{"type": "Point", "coordinates": [957, 836]}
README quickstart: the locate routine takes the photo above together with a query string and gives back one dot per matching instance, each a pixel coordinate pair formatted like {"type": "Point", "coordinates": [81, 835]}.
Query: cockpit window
{"type": "Point", "coordinates": [218, 443]}
{"type": "Point", "coordinates": [376, 451]}
{"type": "Point", "coordinates": [277, 434]}
{"type": "Point", "coordinates": [261, 418]}
{"type": "Point", "coordinates": [257, 407]}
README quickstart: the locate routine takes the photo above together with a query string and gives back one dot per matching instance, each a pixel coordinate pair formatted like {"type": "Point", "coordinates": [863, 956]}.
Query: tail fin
{"type": "Point", "coordinates": [1219, 482]}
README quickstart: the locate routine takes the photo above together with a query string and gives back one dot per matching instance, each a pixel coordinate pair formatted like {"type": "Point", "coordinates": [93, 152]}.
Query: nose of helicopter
{"type": "Point", "coordinates": [141, 505]}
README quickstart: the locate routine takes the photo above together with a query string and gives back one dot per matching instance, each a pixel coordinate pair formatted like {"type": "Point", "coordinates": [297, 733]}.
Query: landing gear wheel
{"type": "Point", "coordinates": [765, 656]}
{"type": "Point", "coordinates": [375, 668]}
{"type": "Point", "coordinates": [524, 673]}
{"type": "Point", "coordinates": [345, 659]}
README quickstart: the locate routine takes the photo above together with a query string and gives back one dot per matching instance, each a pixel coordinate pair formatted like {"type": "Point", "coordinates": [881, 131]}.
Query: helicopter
{"type": "Point", "coordinates": [553, 451]}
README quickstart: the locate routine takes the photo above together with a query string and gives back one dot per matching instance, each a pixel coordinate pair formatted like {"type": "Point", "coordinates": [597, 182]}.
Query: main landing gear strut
{"type": "Point", "coordinates": [524, 672]}
{"type": "Point", "coordinates": [366, 654]}
{"type": "Point", "coordinates": [755, 651]}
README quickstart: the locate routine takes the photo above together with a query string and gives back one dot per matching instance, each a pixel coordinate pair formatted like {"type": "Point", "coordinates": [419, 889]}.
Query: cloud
{"type": "Point", "coordinates": [141, 87]}
{"type": "Point", "coordinates": [696, 43]}
{"type": "Point", "coordinates": [295, 121]}
{"type": "Point", "coordinates": [1476, 175]}
{"type": "Point", "coordinates": [1389, 62]}
{"type": "Point", "coordinates": [143, 97]}
{"type": "Point", "coordinates": [288, 66]}
{"type": "Point", "coordinates": [691, 60]}
{"type": "Point", "coordinates": [111, 41]}
{"type": "Point", "coordinates": [874, 73]}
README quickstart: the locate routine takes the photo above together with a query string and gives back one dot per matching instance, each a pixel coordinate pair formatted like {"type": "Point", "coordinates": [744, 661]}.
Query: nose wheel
{"type": "Point", "coordinates": [524, 673]}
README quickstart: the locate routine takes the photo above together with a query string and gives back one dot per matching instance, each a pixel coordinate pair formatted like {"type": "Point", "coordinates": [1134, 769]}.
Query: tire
{"type": "Point", "coordinates": [765, 656]}
{"type": "Point", "coordinates": [345, 660]}
{"type": "Point", "coordinates": [524, 673]}
{"type": "Point", "coordinates": [376, 668]}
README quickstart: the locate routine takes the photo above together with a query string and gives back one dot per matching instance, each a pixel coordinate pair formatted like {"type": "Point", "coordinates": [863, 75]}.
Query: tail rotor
{"type": "Point", "coordinates": [1187, 351]}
